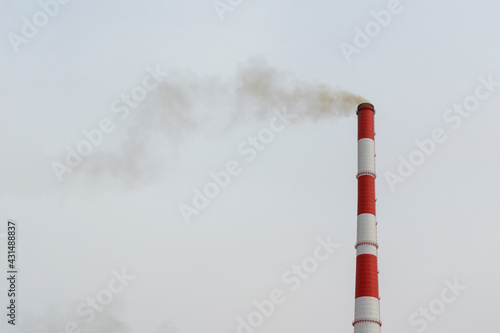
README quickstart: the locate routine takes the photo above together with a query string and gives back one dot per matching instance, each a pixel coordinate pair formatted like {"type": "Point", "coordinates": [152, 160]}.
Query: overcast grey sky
{"type": "Point", "coordinates": [206, 79]}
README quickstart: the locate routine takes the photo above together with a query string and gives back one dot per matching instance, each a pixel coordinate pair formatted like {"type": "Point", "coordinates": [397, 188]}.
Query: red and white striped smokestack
{"type": "Point", "coordinates": [367, 303]}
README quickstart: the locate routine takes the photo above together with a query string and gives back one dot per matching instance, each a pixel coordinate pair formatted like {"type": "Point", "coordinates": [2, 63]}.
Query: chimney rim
{"type": "Point", "coordinates": [365, 106]}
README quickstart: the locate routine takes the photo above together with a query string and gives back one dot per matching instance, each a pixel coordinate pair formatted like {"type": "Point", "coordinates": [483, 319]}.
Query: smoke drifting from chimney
{"type": "Point", "coordinates": [184, 102]}
{"type": "Point", "coordinates": [265, 87]}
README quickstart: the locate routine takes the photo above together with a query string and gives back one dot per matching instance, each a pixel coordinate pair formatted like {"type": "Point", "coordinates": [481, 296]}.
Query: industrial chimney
{"type": "Point", "coordinates": [367, 303]}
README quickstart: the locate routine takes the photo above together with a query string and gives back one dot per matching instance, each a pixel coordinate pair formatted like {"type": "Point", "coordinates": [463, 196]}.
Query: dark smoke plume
{"type": "Point", "coordinates": [184, 102]}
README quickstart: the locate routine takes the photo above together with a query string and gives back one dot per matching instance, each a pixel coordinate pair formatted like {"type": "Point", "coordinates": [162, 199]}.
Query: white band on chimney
{"type": "Point", "coordinates": [366, 155]}
{"type": "Point", "coordinates": [367, 228]}
{"type": "Point", "coordinates": [367, 315]}
{"type": "Point", "coordinates": [366, 249]}
{"type": "Point", "coordinates": [367, 327]}
{"type": "Point", "coordinates": [366, 235]}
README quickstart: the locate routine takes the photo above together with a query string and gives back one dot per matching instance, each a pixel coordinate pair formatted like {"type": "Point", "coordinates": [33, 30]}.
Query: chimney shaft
{"type": "Point", "coordinates": [367, 303]}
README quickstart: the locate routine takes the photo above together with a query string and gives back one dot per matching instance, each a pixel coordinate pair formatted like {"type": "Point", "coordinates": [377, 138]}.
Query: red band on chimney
{"type": "Point", "coordinates": [366, 195]}
{"type": "Point", "coordinates": [366, 123]}
{"type": "Point", "coordinates": [366, 276]}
